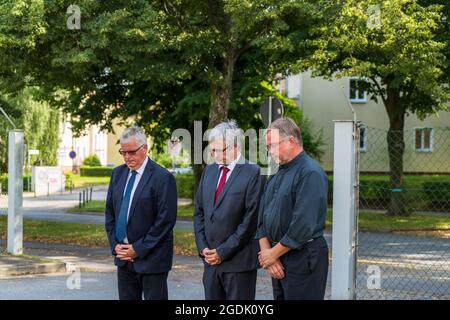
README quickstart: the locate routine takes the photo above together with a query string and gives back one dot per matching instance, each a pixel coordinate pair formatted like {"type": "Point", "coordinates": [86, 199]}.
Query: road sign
{"type": "Point", "coordinates": [72, 154]}
{"type": "Point", "coordinates": [174, 147]}
{"type": "Point", "coordinates": [271, 110]}
{"type": "Point", "coordinates": [33, 152]}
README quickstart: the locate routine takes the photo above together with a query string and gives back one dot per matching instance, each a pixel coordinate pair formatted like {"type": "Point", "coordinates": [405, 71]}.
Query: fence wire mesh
{"type": "Point", "coordinates": [409, 255]}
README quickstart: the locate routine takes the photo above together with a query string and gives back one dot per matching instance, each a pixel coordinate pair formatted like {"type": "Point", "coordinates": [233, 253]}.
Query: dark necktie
{"type": "Point", "coordinates": [222, 181]}
{"type": "Point", "coordinates": [121, 227]}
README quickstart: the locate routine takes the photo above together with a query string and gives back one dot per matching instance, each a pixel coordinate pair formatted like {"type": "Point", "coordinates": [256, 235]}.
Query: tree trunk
{"type": "Point", "coordinates": [221, 91]}
{"type": "Point", "coordinates": [396, 149]}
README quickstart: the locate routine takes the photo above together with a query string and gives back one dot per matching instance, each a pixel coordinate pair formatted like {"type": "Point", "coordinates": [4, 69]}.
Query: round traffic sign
{"type": "Point", "coordinates": [271, 110]}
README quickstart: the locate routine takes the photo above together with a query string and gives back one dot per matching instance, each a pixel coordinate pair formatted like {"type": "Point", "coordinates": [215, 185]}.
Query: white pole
{"type": "Point", "coordinates": [270, 164]}
{"type": "Point", "coordinates": [344, 212]}
{"type": "Point", "coordinates": [15, 192]}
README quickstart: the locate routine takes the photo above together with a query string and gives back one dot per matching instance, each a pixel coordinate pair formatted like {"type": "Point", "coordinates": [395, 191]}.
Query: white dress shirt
{"type": "Point", "coordinates": [139, 174]}
{"type": "Point", "coordinates": [230, 167]}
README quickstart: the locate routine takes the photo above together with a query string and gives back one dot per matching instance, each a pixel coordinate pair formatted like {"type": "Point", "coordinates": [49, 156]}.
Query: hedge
{"type": "Point", "coordinates": [4, 183]}
{"type": "Point", "coordinates": [374, 193]}
{"type": "Point", "coordinates": [438, 195]}
{"type": "Point", "coordinates": [185, 185]}
{"type": "Point", "coordinates": [95, 171]}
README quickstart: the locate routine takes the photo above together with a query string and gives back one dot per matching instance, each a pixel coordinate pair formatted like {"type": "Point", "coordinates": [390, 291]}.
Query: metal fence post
{"type": "Point", "coordinates": [15, 192]}
{"type": "Point", "coordinates": [344, 211]}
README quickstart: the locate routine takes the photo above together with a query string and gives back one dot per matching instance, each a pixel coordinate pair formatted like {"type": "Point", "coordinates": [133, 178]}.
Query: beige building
{"type": "Point", "coordinates": [104, 145]}
{"type": "Point", "coordinates": [427, 142]}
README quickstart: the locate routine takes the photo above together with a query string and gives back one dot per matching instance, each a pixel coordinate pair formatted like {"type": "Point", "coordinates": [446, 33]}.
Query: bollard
{"type": "Point", "coordinates": [48, 189]}
{"type": "Point", "coordinates": [84, 198]}
{"type": "Point", "coordinates": [91, 195]}
{"type": "Point", "coordinates": [79, 200]}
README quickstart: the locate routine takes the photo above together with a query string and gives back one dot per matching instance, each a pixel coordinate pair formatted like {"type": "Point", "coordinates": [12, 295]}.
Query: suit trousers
{"type": "Point", "coordinates": [134, 286]}
{"type": "Point", "coordinates": [306, 272]}
{"type": "Point", "coordinates": [220, 285]}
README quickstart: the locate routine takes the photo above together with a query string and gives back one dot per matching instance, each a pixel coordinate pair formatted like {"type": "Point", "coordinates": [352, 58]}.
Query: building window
{"type": "Point", "coordinates": [358, 93]}
{"type": "Point", "coordinates": [424, 139]}
{"type": "Point", "coordinates": [363, 139]}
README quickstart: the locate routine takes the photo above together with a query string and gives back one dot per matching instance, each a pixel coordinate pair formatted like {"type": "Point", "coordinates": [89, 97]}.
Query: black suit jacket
{"type": "Point", "coordinates": [229, 225]}
{"type": "Point", "coordinates": [152, 216]}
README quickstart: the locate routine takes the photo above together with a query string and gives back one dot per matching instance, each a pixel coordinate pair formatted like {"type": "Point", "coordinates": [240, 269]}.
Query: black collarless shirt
{"type": "Point", "coordinates": [294, 204]}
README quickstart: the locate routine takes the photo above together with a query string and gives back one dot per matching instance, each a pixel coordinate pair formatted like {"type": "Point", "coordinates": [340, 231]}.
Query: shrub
{"type": "Point", "coordinates": [96, 171]}
{"type": "Point", "coordinates": [437, 195]}
{"type": "Point", "coordinates": [4, 182]}
{"type": "Point", "coordinates": [185, 185]}
{"type": "Point", "coordinates": [92, 161]}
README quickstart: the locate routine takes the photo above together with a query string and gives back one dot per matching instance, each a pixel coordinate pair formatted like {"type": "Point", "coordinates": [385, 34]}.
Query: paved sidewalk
{"type": "Point", "coordinates": [98, 275]}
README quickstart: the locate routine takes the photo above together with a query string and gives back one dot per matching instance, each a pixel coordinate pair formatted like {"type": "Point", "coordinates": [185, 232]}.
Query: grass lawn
{"type": "Point", "coordinates": [83, 182]}
{"type": "Point", "coordinates": [409, 179]}
{"type": "Point", "coordinates": [185, 212]}
{"type": "Point", "coordinates": [88, 235]}
{"type": "Point", "coordinates": [97, 206]}
{"type": "Point", "coordinates": [368, 221]}
{"type": "Point", "coordinates": [94, 235]}
{"type": "Point", "coordinates": [379, 222]}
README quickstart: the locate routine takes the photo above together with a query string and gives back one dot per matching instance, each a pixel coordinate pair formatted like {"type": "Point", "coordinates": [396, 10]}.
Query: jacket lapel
{"type": "Point", "coordinates": [211, 184]}
{"type": "Point", "coordinates": [144, 179]}
{"type": "Point", "coordinates": [118, 192]}
{"type": "Point", "coordinates": [229, 182]}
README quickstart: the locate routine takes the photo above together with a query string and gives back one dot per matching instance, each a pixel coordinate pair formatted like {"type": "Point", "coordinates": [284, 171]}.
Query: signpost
{"type": "Point", "coordinates": [174, 150]}
{"type": "Point", "coordinates": [30, 153]}
{"type": "Point", "coordinates": [271, 110]}
{"type": "Point", "coordinates": [73, 155]}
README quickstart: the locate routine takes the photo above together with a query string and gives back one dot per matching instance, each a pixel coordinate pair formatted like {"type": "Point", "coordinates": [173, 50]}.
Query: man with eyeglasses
{"type": "Point", "coordinates": [226, 209]}
{"type": "Point", "coordinates": [141, 210]}
{"type": "Point", "coordinates": [292, 218]}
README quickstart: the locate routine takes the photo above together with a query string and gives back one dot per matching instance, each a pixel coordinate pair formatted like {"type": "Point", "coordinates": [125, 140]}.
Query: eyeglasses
{"type": "Point", "coordinates": [219, 150]}
{"type": "Point", "coordinates": [130, 153]}
{"type": "Point", "coordinates": [271, 145]}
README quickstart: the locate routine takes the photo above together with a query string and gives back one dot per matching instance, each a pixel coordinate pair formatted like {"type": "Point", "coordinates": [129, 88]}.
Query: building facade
{"type": "Point", "coordinates": [427, 142]}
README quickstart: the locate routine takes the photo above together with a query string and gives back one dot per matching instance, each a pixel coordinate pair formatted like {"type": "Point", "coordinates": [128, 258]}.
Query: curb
{"type": "Point", "coordinates": [35, 268]}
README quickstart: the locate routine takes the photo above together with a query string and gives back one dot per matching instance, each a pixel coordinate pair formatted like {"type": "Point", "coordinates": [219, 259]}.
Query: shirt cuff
{"type": "Point", "coordinates": [290, 243]}
{"type": "Point", "coordinates": [260, 234]}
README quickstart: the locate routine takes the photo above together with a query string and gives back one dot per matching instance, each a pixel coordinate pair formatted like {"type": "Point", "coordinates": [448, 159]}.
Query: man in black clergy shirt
{"type": "Point", "coordinates": [292, 218]}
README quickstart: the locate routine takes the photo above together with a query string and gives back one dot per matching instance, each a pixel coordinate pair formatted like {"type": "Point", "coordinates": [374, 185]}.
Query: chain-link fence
{"type": "Point", "coordinates": [404, 219]}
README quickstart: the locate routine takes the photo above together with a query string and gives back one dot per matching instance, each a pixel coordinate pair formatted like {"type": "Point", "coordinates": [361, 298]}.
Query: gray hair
{"type": "Point", "coordinates": [228, 131]}
{"type": "Point", "coordinates": [135, 133]}
{"type": "Point", "coordinates": [286, 128]}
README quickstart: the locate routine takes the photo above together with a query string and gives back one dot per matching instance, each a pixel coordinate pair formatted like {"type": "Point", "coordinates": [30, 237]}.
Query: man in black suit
{"type": "Point", "coordinates": [225, 219]}
{"type": "Point", "coordinates": [141, 209]}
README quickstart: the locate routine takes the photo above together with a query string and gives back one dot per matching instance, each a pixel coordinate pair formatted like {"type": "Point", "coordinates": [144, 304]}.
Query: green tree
{"type": "Point", "coordinates": [165, 63]}
{"type": "Point", "coordinates": [401, 52]}
{"type": "Point", "coordinates": [39, 121]}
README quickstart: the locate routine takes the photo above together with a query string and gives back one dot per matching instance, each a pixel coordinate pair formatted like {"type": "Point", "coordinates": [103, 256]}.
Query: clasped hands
{"type": "Point", "coordinates": [211, 256]}
{"type": "Point", "coordinates": [269, 260]}
{"type": "Point", "coordinates": [125, 252]}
